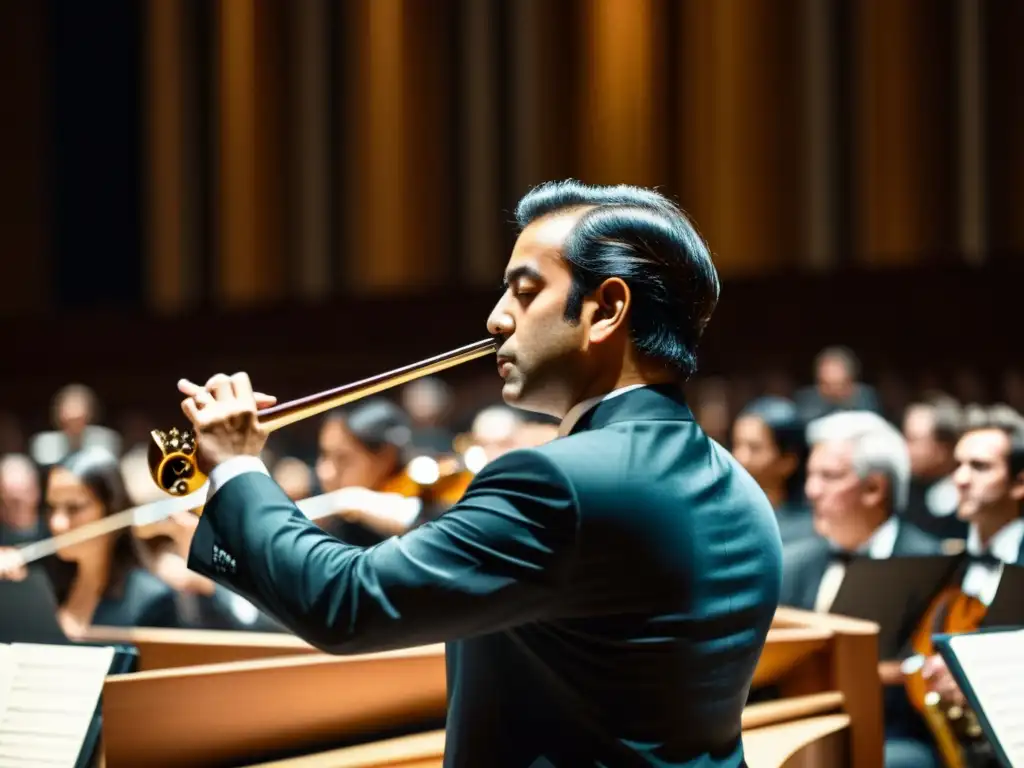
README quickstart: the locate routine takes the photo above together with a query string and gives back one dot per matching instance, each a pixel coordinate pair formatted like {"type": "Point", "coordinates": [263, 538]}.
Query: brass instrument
{"type": "Point", "coordinates": [172, 459]}
{"type": "Point", "coordinates": [952, 726]}
{"type": "Point", "coordinates": [956, 729]}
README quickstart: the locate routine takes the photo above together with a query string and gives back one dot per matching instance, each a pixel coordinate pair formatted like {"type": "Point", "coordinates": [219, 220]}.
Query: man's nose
{"type": "Point", "coordinates": [500, 322]}
{"type": "Point", "coordinates": [961, 477]}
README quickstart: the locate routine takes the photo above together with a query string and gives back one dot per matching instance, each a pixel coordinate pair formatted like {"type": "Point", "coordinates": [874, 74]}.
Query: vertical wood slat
{"type": "Point", "coordinates": [309, 149]}
{"type": "Point", "coordinates": [1004, 63]}
{"type": "Point", "coordinates": [238, 279]}
{"type": "Point", "coordinates": [622, 127]}
{"type": "Point", "coordinates": [741, 149]}
{"type": "Point", "coordinates": [821, 178]}
{"type": "Point", "coordinates": [397, 166]}
{"type": "Point", "coordinates": [480, 161]}
{"type": "Point", "coordinates": [542, 87]}
{"type": "Point", "coordinates": [164, 256]}
{"type": "Point", "coordinates": [905, 154]}
{"type": "Point", "coordinates": [971, 114]}
{"type": "Point", "coordinates": [25, 268]}
{"type": "Point", "coordinates": [251, 262]}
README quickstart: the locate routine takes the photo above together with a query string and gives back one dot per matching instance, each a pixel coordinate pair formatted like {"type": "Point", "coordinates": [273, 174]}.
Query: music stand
{"type": "Point", "coordinates": [989, 670]}
{"type": "Point", "coordinates": [894, 593]}
{"type": "Point", "coordinates": [1007, 607]}
{"type": "Point", "coordinates": [28, 611]}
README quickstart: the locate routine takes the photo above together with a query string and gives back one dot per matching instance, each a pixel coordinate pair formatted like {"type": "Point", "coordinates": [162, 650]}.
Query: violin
{"type": "Point", "coordinates": [438, 480]}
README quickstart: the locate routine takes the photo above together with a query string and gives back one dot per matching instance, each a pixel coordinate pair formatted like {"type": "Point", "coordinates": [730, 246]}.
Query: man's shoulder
{"type": "Point", "coordinates": [912, 540]}
{"type": "Point", "coordinates": [806, 553]}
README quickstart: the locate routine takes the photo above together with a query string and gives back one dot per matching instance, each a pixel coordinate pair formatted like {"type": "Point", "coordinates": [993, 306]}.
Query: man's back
{"type": "Point", "coordinates": [647, 650]}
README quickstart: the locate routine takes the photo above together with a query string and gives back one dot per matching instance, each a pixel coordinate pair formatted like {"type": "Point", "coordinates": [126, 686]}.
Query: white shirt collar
{"type": "Point", "coordinates": [577, 411]}
{"type": "Point", "coordinates": [883, 541]}
{"type": "Point", "coordinates": [1004, 546]}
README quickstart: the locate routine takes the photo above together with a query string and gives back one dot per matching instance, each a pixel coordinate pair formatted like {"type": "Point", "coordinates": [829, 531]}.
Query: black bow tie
{"type": "Point", "coordinates": [844, 556]}
{"type": "Point", "coordinates": [985, 558]}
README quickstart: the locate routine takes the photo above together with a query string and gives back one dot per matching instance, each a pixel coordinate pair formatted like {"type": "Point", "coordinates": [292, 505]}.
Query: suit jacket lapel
{"type": "Point", "coordinates": [817, 564]}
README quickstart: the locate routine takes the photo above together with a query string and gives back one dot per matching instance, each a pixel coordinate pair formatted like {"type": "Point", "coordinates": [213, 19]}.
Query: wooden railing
{"type": "Point", "coordinates": [247, 695]}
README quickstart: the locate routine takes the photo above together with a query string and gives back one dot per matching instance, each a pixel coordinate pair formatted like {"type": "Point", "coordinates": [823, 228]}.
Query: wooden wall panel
{"type": "Point", "coordinates": [622, 101]}
{"type": "Point", "coordinates": [1003, 24]}
{"type": "Point", "coordinates": [739, 130]}
{"type": "Point", "coordinates": [24, 158]}
{"type": "Point", "coordinates": [397, 166]}
{"type": "Point", "coordinates": [250, 263]}
{"type": "Point", "coordinates": [904, 148]}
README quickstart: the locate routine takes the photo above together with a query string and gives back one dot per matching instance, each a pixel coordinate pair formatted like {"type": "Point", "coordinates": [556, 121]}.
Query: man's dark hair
{"type": "Point", "coordinates": [643, 238]}
{"type": "Point", "coordinates": [947, 416]}
{"type": "Point", "coordinates": [1006, 420]}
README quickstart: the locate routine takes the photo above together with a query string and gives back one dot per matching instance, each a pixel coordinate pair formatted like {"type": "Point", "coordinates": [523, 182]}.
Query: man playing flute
{"type": "Point", "coordinates": [605, 597]}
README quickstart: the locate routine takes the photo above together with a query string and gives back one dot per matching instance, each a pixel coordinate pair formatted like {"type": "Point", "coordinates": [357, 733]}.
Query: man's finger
{"type": "Point", "coordinates": [220, 387]}
{"type": "Point", "coordinates": [264, 401]}
{"type": "Point", "coordinates": [188, 388]}
{"type": "Point", "coordinates": [203, 399]}
{"type": "Point", "coordinates": [242, 388]}
{"type": "Point", "coordinates": [191, 411]}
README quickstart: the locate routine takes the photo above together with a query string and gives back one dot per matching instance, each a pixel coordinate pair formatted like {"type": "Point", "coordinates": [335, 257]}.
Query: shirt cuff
{"type": "Point", "coordinates": [233, 467]}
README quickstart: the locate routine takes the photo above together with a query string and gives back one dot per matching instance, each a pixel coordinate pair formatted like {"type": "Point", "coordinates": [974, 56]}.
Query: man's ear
{"type": "Point", "coordinates": [875, 490]}
{"type": "Point", "coordinates": [610, 308]}
{"type": "Point", "coordinates": [1017, 488]}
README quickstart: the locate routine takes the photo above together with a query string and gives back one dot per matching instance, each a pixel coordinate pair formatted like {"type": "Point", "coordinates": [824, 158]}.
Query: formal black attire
{"type": "Point", "coordinates": [605, 597]}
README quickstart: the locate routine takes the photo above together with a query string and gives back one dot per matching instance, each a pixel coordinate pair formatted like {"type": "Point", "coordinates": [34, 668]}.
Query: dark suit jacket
{"type": "Point", "coordinates": [605, 597]}
{"type": "Point", "coordinates": [806, 562]}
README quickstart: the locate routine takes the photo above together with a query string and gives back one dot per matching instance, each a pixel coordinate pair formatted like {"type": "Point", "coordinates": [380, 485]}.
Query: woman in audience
{"type": "Point", "coordinates": [768, 439]}
{"type": "Point", "coordinates": [99, 581]}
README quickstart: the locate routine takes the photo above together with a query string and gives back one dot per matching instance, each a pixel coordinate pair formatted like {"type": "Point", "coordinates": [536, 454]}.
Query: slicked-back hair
{"type": "Point", "coordinates": [643, 238]}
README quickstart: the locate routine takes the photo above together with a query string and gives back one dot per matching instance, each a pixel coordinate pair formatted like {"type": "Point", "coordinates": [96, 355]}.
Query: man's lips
{"type": "Point", "coordinates": [504, 364]}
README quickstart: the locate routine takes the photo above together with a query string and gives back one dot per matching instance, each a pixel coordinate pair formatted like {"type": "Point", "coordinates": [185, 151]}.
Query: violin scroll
{"type": "Point", "coordinates": [172, 461]}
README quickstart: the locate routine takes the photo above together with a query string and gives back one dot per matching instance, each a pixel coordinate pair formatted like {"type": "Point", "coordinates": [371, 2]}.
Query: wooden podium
{"type": "Point", "coordinates": [205, 698]}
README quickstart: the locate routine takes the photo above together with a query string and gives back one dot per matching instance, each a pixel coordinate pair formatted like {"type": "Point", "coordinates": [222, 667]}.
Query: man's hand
{"type": "Point", "coordinates": [12, 566]}
{"type": "Point", "coordinates": [939, 679]}
{"type": "Point", "coordinates": [223, 414]}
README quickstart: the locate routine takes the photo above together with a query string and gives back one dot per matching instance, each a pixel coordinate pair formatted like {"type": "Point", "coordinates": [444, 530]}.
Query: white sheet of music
{"type": "Point", "coordinates": [994, 665]}
{"type": "Point", "coordinates": [51, 695]}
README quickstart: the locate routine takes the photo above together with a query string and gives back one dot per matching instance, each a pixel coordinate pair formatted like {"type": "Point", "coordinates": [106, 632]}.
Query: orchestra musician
{"type": "Point", "coordinates": [605, 596]}
{"type": "Point", "coordinates": [989, 477]}
{"type": "Point", "coordinates": [858, 473]}
{"type": "Point", "coordinates": [367, 446]}
{"type": "Point", "coordinates": [101, 581]}
{"type": "Point", "coordinates": [769, 440]}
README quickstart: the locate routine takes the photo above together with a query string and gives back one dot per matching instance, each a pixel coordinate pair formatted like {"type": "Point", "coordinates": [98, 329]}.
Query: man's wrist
{"type": "Point", "coordinates": [232, 468]}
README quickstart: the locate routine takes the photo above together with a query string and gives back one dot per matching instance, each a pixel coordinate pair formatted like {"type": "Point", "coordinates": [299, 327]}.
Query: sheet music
{"type": "Point", "coordinates": [52, 695]}
{"type": "Point", "coordinates": [994, 664]}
